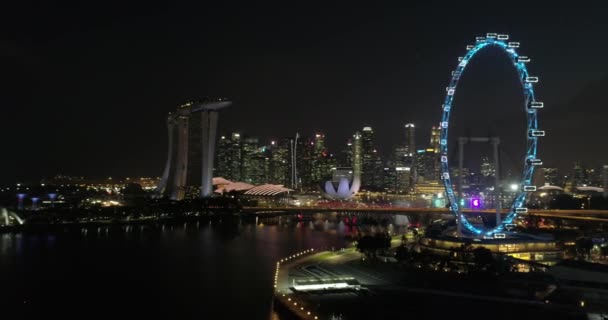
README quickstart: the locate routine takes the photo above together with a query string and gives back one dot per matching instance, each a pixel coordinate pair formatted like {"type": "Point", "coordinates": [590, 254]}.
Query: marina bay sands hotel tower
{"type": "Point", "coordinates": [192, 131]}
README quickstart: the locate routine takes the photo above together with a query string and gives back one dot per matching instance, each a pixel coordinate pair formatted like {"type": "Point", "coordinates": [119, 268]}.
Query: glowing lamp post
{"type": "Point", "coordinates": [35, 203]}
{"type": "Point", "coordinates": [20, 197]}
{"type": "Point", "coordinates": [52, 197]}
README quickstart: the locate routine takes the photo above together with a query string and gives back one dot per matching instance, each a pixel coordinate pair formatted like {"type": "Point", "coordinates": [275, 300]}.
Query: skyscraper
{"type": "Point", "coordinates": [396, 179]}
{"type": "Point", "coordinates": [426, 166]}
{"type": "Point", "coordinates": [435, 133]}
{"type": "Point", "coordinates": [368, 157]}
{"type": "Point", "coordinates": [251, 161]}
{"type": "Point", "coordinates": [580, 174]}
{"type": "Point", "coordinates": [550, 176]}
{"type": "Point", "coordinates": [305, 149]}
{"type": "Point", "coordinates": [223, 160]}
{"type": "Point", "coordinates": [229, 157]}
{"type": "Point", "coordinates": [487, 167]}
{"type": "Point", "coordinates": [191, 152]}
{"type": "Point", "coordinates": [357, 157]}
{"type": "Point", "coordinates": [400, 156]}
{"type": "Point", "coordinates": [318, 158]}
{"type": "Point", "coordinates": [346, 155]}
{"type": "Point", "coordinates": [280, 162]}
{"type": "Point", "coordinates": [410, 139]}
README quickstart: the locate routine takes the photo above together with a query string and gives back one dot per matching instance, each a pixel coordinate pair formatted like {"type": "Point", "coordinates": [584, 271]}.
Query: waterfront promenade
{"type": "Point", "coordinates": [381, 283]}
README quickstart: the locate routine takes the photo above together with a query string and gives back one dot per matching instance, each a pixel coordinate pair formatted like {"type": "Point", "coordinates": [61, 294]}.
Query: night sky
{"type": "Point", "coordinates": [86, 86]}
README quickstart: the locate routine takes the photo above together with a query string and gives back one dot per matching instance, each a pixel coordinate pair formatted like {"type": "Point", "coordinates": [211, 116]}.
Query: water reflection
{"type": "Point", "coordinates": [7, 243]}
{"type": "Point", "coordinates": [235, 256]}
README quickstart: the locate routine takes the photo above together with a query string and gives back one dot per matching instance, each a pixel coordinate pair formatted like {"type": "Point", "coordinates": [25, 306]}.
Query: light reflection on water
{"type": "Point", "coordinates": [185, 270]}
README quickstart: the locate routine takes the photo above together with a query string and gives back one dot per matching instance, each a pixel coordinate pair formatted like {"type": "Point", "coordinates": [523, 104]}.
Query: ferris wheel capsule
{"type": "Point", "coordinates": [531, 79]}
{"type": "Point", "coordinates": [536, 133]}
{"type": "Point", "coordinates": [470, 47]}
{"type": "Point", "coordinates": [503, 37]}
{"type": "Point", "coordinates": [521, 210]}
{"type": "Point", "coordinates": [529, 188]}
{"type": "Point", "coordinates": [523, 59]}
{"type": "Point", "coordinates": [513, 44]}
{"type": "Point", "coordinates": [536, 105]}
{"type": "Point", "coordinates": [480, 39]}
{"type": "Point", "coordinates": [491, 35]}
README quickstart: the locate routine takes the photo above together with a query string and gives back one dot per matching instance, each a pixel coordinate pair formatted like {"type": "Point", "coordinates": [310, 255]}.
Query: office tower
{"type": "Point", "coordinates": [280, 163]}
{"type": "Point", "coordinates": [580, 175]}
{"type": "Point", "coordinates": [435, 133]}
{"type": "Point", "coordinates": [427, 166]}
{"type": "Point", "coordinates": [550, 176]}
{"type": "Point", "coordinates": [371, 165]}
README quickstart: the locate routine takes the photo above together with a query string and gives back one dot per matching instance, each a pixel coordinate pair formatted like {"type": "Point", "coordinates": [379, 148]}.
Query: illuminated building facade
{"type": "Point", "coordinates": [371, 161]}
{"type": "Point", "coordinates": [435, 133]}
{"type": "Point", "coordinates": [192, 134]}
{"type": "Point", "coordinates": [427, 166]}
{"type": "Point", "coordinates": [280, 164]}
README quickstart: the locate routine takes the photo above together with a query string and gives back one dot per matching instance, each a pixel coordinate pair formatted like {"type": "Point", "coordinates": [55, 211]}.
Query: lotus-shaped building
{"type": "Point", "coordinates": [345, 190]}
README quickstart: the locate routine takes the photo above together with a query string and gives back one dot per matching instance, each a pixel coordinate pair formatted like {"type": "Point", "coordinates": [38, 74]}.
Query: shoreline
{"type": "Point", "coordinates": [306, 305]}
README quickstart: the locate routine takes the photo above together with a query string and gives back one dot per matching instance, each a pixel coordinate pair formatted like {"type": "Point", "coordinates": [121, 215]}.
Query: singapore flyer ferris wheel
{"type": "Point", "coordinates": [531, 108]}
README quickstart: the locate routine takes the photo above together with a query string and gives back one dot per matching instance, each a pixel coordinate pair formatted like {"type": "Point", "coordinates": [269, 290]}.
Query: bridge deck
{"type": "Point", "coordinates": [590, 215]}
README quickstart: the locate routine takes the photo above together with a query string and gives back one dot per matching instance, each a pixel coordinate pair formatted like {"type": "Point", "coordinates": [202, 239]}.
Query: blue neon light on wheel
{"type": "Point", "coordinates": [531, 107]}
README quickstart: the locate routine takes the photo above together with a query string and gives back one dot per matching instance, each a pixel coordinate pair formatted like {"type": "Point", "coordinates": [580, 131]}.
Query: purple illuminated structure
{"type": "Point", "coordinates": [475, 203]}
{"type": "Point", "coordinates": [35, 203]}
{"type": "Point", "coordinates": [20, 197]}
{"type": "Point", "coordinates": [52, 197]}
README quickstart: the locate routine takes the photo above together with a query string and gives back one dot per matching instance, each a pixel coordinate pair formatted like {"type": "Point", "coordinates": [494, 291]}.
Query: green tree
{"type": "Point", "coordinates": [134, 195]}
{"type": "Point", "coordinates": [370, 244]}
{"type": "Point", "coordinates": [402, 253]}
{"type": "Point", "coordinates": [483, 259]}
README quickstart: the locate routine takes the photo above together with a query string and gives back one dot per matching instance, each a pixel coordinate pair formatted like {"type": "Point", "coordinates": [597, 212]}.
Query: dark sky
{"type": "Point", "coordinates": [86, 86]}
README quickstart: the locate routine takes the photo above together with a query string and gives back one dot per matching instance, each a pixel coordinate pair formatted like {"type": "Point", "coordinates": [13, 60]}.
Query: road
{"type": "Point", "coordinates": [587, 215]}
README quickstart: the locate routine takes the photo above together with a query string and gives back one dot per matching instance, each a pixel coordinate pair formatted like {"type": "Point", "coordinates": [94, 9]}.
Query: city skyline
{"type": "Point", "coordinates": [327, 160]}
{"type": "Point", "coordinates": [474, 161]}
{"type": "Point", "coordinates": [383, 78]}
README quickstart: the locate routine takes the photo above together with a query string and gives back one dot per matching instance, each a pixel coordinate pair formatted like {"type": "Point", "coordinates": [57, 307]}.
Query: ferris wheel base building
{"type": "Point", "coordinates": [192, 131]}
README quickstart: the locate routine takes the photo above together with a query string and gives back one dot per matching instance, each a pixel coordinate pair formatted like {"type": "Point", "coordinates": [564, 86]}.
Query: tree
{"type": "Point", "coordinates": [584, 246]}
{"type": "Point", "coordinates": [134, 195]}
{"type": "Point", "coordinates": [402, 253]}
{"type": "Point", "coordinates": [369, 245]}
{"type": "Point", "coordinates": [483, 259]}
{"type": "Point", "coordinates": [464, 252]}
